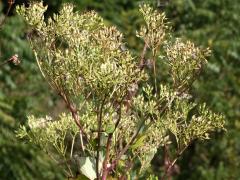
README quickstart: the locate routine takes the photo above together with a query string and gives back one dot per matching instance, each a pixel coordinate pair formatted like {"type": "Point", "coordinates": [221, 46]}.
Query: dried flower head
{"type": "Point", "coordinates": [15, 60]}
{"type": "Point", "coordinates": [113, 120]}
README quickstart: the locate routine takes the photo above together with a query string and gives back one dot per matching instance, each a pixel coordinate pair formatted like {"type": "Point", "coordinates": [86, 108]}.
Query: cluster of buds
{"type": "Point", "coordinates": [14, 59]}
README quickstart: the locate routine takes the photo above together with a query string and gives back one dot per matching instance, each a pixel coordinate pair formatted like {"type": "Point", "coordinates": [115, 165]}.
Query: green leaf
{"type": "Point", "coordinates": [110, 128]}
{"type": "Point", "coordinates": [139, 142]}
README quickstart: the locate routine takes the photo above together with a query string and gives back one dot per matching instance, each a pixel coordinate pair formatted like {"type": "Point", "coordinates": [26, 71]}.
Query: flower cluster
{"type": "Point", "coordinates": [113, 120]}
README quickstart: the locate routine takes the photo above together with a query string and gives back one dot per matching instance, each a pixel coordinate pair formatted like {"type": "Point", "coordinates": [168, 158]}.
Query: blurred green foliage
{"type": "Point", "coordinates": [21, 92]}
{"type": "Point", "coordinates": [213, 23]}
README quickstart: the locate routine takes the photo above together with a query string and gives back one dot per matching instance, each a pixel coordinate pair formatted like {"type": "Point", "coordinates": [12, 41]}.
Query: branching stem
{"type": "Point", "coordinates": [124, 150]}
{"type": "Point", "coordinates": [170, 166]}
{"type": "Point", "coordinates": [10, 4]}
{"type": "Point", "coordinates": [100, 113]}
{"type": "Point", "coordinates": [109, 142]}
{"type": "Point", "coordinates": [75, 116]}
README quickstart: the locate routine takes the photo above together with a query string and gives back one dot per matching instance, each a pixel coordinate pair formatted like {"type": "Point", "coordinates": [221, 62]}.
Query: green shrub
{"type": "Point", "coordinates": [112, 123]}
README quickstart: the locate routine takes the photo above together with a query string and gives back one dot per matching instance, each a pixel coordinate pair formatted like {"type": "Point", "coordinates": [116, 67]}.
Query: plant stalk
{"type": "Point", "coordinates": [124, 150]}
{"type": "Point", "coordinates": [109, 142]}
{"type": "Point", "coordinates": [99, 136]}
{"type": "Point", "coordinates": [170, 166]}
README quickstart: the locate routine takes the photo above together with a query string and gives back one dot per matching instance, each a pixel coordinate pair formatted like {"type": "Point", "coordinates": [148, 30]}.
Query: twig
{"type": "Point", "coordinates": [73, 142]}
{"type": "Point", "coordinates": [109, 142]}
{"type": "Point", "coordinates": [124, 150]}
{"type": "Point", "coordinates": [141, 65]}
{"type": "Point", "coordinates": [99, 135]}
{"type": "Point", "coordinates": [10, 3]}
{"type": "Point", "coordinates": [75, 116]}
{"type": "Point", "coordinates": [173, 163]}
{"type": "Point", "coordinates": [155, 73]}
{"type": "Point", "coordinates": [14, 59]}
{"type": "Point", "coordinates": [143, 56]}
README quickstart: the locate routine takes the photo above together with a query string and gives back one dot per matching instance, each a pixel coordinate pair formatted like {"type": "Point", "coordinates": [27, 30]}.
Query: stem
{"type": "Point", "coordinates": [99, 136]}
{"type": "Point", "coordinates": [141, 65]}
{"type": "Point", "coordinates": [143, 55]}
{"type": "Point", "coordinates": [10, 2]}
{"type": "Point", "coordinates": [75, 116]}
{"type": "Point", "coordinates": [155, 75]}
{"type": "Point", "coordinates": [11, 59]}
{"type": "Point", "coordinates": [128, 144]}
{"type": "Point", "coordinates": [73, 141]}
{"type": "Point", "coordinates": [84, 102]}
{"type": "Point", "coordinates": [70, 106]}
{"type": "Point", "coordinates": [109, 142]}
{"type": "Point", "coordinates": [166, 158]}
{"type": "Point", "coordinates": [68, 166]}
{"type": "Point", "coordinates": [105, 168]}
{"type": "Point", "coordinates": [81, 141]}
{"type": "Point", "coordinates": [170, 166]}
{"type": "Point", "coordinates": [154, 70]}
{"type": "Point", "coordinates": [127, 170]}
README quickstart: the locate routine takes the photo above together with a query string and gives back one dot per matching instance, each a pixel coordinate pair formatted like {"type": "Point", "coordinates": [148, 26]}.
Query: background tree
{"type": "Point", "coordinates": [19, 160]}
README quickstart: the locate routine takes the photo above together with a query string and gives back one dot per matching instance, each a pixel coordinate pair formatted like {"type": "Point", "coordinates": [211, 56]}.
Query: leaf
{"type": "Point", "coordinates": [88, 167]}
{"type": "Point", "coordinates": [139, 142]}
{"type": "Point", "coordinates": [146, 159]}
{"type": "Point", "coordinates": [110, 128]}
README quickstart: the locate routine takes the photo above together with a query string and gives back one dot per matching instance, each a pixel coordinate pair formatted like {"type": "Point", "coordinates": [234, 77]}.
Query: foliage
{"type": "Point", "coordinates": [82, 60]}
{"type": "Point", "coordinates": [215, 24]}
{"type": "Point", "coordinates": [19, 161]}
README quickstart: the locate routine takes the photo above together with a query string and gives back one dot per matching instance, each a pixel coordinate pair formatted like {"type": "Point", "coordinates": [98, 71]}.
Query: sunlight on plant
{"type": "Point", "coordinates": [116, 115]}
